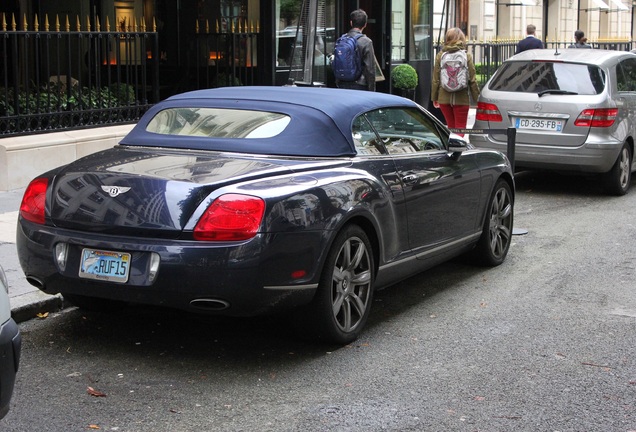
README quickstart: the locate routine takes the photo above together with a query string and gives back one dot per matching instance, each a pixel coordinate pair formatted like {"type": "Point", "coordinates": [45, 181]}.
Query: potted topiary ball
{"type": "Point", "coordinates": [404, 77]}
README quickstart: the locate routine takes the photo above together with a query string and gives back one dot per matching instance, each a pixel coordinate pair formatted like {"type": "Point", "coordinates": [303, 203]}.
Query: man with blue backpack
{"type": "Point", "coordinates": [353, 60]}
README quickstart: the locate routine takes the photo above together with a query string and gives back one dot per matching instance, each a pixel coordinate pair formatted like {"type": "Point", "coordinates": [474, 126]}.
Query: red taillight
{"type": "Point", "coordinates": [599, 117]}
{"type": "Point", "coordinates": [34, 201]}
{"type": "Point", "coordinates": [488, 112]}
{"type": "Point", "coordinates": [230, 217]}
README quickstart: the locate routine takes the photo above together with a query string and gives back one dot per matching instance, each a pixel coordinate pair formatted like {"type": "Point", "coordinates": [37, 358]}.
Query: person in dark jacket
{"type": "Point", "coordinates": [580, 40]}
{"type": "Point", "coordinates": [358, 21]}
{"type": "Point", "coordinates": [530, 41]}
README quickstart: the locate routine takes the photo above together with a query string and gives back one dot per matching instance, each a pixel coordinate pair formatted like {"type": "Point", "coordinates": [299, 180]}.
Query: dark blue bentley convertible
{"type": "Point", "coordinates": [247, 200]}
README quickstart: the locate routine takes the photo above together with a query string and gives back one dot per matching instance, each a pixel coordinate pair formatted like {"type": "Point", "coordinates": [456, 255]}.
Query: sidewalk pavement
{"type": "Point", "coordinates": [26, 300]}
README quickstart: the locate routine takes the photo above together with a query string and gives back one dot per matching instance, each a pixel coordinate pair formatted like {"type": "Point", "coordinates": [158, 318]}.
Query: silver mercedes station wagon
{"type": "Point", "coordinates": [573, 110]}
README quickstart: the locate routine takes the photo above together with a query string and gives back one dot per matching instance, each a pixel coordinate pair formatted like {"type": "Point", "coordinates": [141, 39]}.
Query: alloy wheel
{"type": "Point", "coordinates": [624, 168]}
{"type": "Point", "coordinates": [500, 222]}
{"type": "Point", "coordinates": [351, 284]}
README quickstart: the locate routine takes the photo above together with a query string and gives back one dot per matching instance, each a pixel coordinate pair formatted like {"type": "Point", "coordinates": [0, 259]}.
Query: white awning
{"type": "Point", "coordinates": [620, 4]}
{"type": "Point", "coordinates": [601, 4]}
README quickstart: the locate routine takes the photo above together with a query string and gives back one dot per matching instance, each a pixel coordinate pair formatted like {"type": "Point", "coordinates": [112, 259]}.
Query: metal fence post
{"type": "Point", "coordinates": [511, 133]}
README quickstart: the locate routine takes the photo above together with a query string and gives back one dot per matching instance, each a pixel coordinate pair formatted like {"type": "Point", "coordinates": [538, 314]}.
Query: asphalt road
{"type": "Point", "coordinates": [545, 342]}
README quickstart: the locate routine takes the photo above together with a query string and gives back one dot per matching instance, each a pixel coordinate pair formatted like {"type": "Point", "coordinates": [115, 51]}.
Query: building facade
{"type": "Point", "coordinates": [290, 40]}
{"type": "Point", "coordinates": [556, 20]}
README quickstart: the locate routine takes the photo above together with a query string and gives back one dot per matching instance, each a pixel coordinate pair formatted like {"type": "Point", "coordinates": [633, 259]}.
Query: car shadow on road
{"type": "Point", "coordinates": [556, 183]}
{"type": "Point", "coordinates": [143, 332]}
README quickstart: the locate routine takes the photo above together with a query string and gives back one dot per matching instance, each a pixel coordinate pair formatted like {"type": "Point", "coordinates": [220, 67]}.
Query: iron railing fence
{"type": "Point", "coordinates": [488, 56]}
{"type": "Point", "coordinates": [225, 59]}
{"type": "Point", "coordinates": [71, 79]}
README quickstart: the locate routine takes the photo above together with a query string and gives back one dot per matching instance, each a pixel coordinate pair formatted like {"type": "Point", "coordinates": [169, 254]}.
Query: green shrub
{"type": "Point", "coordinates": [50, 99]}
{"type": "Point", "coordinates": [124, 93]}
{"type": "Point", "coordinates": [404, 76]}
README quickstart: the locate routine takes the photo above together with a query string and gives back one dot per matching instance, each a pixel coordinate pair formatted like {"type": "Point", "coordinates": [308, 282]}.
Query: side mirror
{"type": "Point", "coordinates": [457, 145]}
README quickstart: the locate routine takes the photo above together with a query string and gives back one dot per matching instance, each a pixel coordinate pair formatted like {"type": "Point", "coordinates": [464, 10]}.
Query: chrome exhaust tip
{"type": "Point", "coordinates": [36, 282]}
{"type": "Point", "coordinates": [209, 304]}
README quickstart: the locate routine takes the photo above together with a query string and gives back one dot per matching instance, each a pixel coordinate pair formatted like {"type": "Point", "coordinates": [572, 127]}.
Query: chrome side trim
{"type": "Point", "coordinates": [435, 250]}
{"type": "Point", "coordinates": [397, 262]}
{"type": "Point", "coordinates": [291, 287]}
{"type": "Point", "coordinates": [538, 114]}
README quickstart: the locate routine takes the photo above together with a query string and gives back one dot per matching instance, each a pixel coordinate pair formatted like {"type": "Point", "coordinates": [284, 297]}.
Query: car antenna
{"type": "Point", "coordinates": [556, 47]}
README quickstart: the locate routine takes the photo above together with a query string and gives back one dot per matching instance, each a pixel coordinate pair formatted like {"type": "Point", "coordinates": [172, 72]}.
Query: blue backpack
{"type": "Point", "coordinates": [346, 63]}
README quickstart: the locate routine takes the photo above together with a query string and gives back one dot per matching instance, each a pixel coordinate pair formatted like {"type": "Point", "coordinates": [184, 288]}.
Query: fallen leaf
{"type": "Point", "coordinates": [93, 427]}
{"type": "Point", "coordinates": [91, 391]}
{"type": "Point", "coordinates": [596, 365]}
{"type": "Point", "coordinates": [42, 315]}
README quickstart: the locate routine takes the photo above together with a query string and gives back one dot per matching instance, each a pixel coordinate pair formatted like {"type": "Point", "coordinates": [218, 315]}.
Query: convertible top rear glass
{"type": "Point", "coordinates": [218, 123]}
{"type": "Point", "coordinates": [539, 76]}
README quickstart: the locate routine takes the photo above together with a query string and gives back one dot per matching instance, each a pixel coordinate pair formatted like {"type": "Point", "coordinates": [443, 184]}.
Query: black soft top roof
{"type": "Point", "coordinates": [320, 123]}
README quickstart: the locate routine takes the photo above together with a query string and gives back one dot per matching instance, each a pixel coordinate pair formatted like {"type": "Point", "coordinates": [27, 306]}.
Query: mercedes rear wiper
{"type": "Point", "coordinates": [556, 91]}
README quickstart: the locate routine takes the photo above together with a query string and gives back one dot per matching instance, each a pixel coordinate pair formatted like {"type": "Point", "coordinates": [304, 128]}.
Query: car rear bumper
{"type": "Point", "coordinates": [240, 279]}
{"type": "Point", "coordinates": [10, 346]}
{"type": "Point", "coordinates": [592, 157]}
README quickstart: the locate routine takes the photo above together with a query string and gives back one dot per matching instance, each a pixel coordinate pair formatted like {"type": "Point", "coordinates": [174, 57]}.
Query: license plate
{"type": "Point", "coordinates": [105, 265]}
{"type": "Point", "coordinates": [538, 124]}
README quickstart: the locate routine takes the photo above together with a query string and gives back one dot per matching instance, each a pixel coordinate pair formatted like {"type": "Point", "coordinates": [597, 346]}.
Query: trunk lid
{"type": "Point", "coordinates": [150, 192]}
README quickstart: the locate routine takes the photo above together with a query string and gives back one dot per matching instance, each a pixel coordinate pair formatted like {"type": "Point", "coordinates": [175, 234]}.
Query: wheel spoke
{"type": "Point", "coordinates": [346, 315]}
{"type": "Point", "coordinates": [346, 254]}
{"type": "Point", "coordinates": [507, 210]}
{"type": "Point", "coordinates": [362, 278]}
{"type": "Point", "coordinates": [338, 275]}
{"type": "Point", "coordinates": [359, 255]}
{"type": "Point", "coordinates": [356, 302]}
{"type": "Point", "coordinates": [338, 301]}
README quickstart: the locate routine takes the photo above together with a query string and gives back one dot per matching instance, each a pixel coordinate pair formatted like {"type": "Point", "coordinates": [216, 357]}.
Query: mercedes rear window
{"type": "Point", "coordinates": [536, 77]}
{"type": "Point", "coordinates": [218, 123]}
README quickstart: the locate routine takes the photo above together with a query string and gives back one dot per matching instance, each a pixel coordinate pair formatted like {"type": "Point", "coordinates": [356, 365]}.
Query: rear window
{"type": "Point", "coordinates": [218, 123]}
{"type": "Point", "coordinates": [535, 77]}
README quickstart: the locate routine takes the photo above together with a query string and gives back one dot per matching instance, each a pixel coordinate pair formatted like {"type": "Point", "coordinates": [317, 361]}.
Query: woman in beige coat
{"type": "Point", "coordinates": [454, 105]}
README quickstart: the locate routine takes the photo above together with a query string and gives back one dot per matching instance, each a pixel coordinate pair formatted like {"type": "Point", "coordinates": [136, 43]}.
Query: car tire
{"type": "Point", "coordinates": [341, 306]}
{"type": "Point", "coordinates": [618, 179]}
{"type": "Point", "coordinates": [496, 235]}
{"type": "Point", "coordinates": [94, 304]}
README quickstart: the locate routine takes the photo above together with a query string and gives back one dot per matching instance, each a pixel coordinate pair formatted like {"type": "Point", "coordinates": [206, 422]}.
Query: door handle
{"type": "Point", "coordinates": [409, 178]}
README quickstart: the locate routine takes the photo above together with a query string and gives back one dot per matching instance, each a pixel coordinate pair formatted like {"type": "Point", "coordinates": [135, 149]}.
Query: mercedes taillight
{"type": "Point", "coordinates": [596, 117]}
{"type": "Point", "coordinates": [488, 112]}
